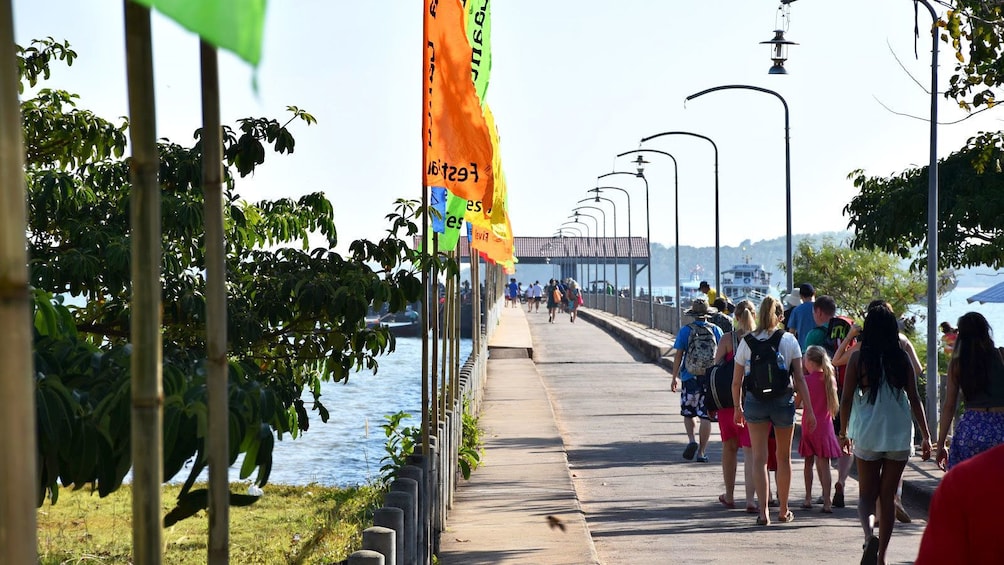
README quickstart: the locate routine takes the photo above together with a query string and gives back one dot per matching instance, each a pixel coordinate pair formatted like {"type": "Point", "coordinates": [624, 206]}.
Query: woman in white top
{"type": "Point", "coordinates": [779, 410]}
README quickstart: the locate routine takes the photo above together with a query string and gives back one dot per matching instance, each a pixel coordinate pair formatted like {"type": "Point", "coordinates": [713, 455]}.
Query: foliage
{"type": "Point", "coordinates": [400, 444]}
{"type": "Point", "coordinates": [855, 277]}
{"type": "Point", "coordinates": [890, 214]}
{"type": "Point", "coordinates": [296, 314]}
{"type": "Point", "coordinates": [290, 524]}
{"type": "Point", "coordinates": [470, 452]}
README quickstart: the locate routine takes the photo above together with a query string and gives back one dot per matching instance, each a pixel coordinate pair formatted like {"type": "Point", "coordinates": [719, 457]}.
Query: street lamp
{"type": "Point", "coordinates": [676, 220]}
{"type": "Point", "coordinates": [596, 235]}
{"type": "Point", "coordinates": [932, 234]}
{"type": "Point", "coordinates": [583, 229]}
{"type": "Point", "coordinates": [604, 213]}
{"type": "Point", "coordinates": [787, 166]}
{"type": "Point", "coordinates": [648, 235]}
{"type": "Point", "coordinates": [718, 266]}
{"type": "Point", "coordinates": [597, 190]}
{"type": "Point", "coordinates": [617, 258]}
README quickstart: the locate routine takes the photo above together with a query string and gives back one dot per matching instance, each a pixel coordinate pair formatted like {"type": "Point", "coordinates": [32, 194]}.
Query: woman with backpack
{"type": "Point", "coordinates": [768, 371]}
{"type": "Point", "coordinates": [880, 392]}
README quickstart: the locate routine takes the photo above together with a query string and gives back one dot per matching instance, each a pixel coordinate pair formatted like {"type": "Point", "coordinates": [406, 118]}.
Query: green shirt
{"type": "Point", "coordinates": [818, 336]}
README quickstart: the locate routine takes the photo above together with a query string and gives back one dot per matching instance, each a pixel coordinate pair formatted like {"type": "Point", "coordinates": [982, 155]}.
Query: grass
{"type": "Point", "coordinates": [290, 524]}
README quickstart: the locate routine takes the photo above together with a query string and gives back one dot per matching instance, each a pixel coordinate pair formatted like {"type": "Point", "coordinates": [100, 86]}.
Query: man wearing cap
{"type": "Point", "coordinates": [691, 396]}
{"type": "Point", "coordinates": [706, 289]}
{"type": "Point", "coordinates": [802, 320]}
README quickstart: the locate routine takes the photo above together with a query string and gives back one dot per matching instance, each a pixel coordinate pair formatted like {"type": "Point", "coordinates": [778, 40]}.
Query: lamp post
{"type": "Point", "coordinates": [597, 190]}
{"type": "Point", "coordinates": [617, 258]}
{"type": "Point", "coordinates": [718, 266]}
{"type": "Point", "coordinates": [676, 219]}
{"type": "Point", "coordinates": [648, 236]}
{"type": "Point", "coordinates": [582, 229]}
{"type": "Point", "coordinates": [787, 166]}
{"type": "Point", "coordinates": [596, 235]}
{"type": "Point", "coordinates": [604, 213]}
{"type": "Point", "coordinates": [932, 235]}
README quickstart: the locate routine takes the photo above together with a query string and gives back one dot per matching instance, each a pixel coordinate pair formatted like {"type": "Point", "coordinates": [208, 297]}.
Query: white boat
{"type": "Point", "coordinates": [746, 281]}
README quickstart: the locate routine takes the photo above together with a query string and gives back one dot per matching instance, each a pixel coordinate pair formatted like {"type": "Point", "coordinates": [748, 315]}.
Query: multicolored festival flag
{"type": "Point", "coordinates": [234, 25]}
{"type": "Point", "coordinates": [479, 35]}
{"type": "Point", "coordinates": [456, 144]}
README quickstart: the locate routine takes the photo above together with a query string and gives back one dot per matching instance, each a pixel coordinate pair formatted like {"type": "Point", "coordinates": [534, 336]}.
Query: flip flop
{"type": "Point", "coordinates": [691, 449]}
{"type": "Point", "coordinates": [721, 498]}
{"type": "Point", "coordinates": [789, 517]}
{"type": "Point", "coordinates": [762, 521]}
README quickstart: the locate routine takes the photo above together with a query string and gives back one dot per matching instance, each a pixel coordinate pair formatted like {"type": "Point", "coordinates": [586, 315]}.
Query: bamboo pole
{"type": "Point", "coordinates": [433, 419]}
{"type": "Point", "coordinates": [18, 471]}
{"type": "Point", "coordinates": [147, 392]}
{"type": "Point", "coordinates": [217, 442]}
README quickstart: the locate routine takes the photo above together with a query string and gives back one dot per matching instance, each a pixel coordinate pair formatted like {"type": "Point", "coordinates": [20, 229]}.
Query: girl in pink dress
{"type": "Point", "coordinates": [820, 445]}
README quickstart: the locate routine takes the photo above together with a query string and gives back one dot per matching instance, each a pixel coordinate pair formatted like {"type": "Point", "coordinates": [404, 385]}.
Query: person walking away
{"type": "Point", "coordinates": [880, 392]}
{"type": "Point", "coordinates": [711, 293]}
{"type": "Point", "coordinates": [572, 296]}
{"type": "Point", "coordinates": [554, 296]}
{"type": "Point", "coordinates": [534, 293]}
{"type": "Point", "coordinates": [977, 370]}
{"type": "Point", "coordinates": [948, 337]}
{"type": "Point", "coordinates": [722, 318]}
{"type": "Point", "coordinates": [695, 347]}
{"type": "Point", "coordinates": [829, 332]}
{"type": "Point", "coordinates": [767, 374]}
{"type": "Point", "coordinates": [963, 524]}
{"type": "Point", "coordinates": [801, 320]}
{"type": "Point", "coordinates": [512, 293]}
{"type": "Point", "coordinates": [791, 301]}
{"type": "Point", "coordinates": [733, 436]}
{"type": "Point", "coordinates": [821, 444]}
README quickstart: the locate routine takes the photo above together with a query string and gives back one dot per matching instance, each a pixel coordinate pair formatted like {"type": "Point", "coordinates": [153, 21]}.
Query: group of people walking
{"type": "Point", "coordinates": [859, 398]}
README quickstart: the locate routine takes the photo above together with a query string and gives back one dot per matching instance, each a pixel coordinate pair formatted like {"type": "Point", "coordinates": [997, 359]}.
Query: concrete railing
{"type": "Point", "coordinates": [406, 529]}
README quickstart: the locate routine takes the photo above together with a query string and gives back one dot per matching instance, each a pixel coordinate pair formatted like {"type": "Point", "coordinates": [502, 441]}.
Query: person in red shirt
{"type": "Point", "coordinates": [963, 524]}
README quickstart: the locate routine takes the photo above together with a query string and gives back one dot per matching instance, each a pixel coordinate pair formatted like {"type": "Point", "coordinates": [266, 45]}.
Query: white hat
{"type": "Point", "coordinates": [793, 299]}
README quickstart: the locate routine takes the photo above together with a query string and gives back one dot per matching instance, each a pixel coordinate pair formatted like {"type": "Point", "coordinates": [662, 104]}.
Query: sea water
{"type": "Point", "coordinates": [348, 448]}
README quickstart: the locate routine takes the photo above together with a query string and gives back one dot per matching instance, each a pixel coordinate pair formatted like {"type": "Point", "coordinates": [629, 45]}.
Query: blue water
{"type": "Point", "coordinates": [347, 449]}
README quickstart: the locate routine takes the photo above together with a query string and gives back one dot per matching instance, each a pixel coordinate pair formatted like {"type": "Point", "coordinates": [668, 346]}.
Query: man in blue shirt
{"type": "Point", "coordinates": [802, 320]}
{"type": "Point", "coordinates": [693, 345]}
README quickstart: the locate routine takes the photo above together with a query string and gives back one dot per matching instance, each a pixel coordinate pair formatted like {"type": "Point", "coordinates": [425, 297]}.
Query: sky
{"type": "Point", "coordinates": [572, 85]}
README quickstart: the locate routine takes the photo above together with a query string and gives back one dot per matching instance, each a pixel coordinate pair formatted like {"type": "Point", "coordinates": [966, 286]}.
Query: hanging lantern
{"type": "Point", "coordinates": [779, 52]}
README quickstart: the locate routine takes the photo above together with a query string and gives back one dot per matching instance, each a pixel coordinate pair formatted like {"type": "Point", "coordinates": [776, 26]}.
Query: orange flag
{"type": "Point", "coordinates": [457, 147]}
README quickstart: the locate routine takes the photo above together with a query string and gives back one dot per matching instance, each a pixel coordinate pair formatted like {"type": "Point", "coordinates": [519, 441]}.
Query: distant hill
{"type": "Point", "coordinates": [700, 261]}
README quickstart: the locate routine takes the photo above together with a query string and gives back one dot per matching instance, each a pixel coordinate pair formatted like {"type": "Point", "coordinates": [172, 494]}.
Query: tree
{"type": "Point", "coordinates": [855, 277]}
{"type": "Point", "coordinates": [295, 313]}
{"type": "Point", "coordinates": [891, 213]}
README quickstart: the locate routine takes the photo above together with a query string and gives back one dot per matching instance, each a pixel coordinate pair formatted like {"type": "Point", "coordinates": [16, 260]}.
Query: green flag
{"type": "Point", "coordinates": [479, 35]}
{"type": "Point", "coordinates": [234, 25]}
{"type": "Point", "coordinates": [456, 207]}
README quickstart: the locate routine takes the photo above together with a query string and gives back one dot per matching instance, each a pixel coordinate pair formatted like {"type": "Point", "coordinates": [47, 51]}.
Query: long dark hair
{"type": "Point", "coordinates": [974, 352]}
{"type": "Point", "coordinates": [881, 357]}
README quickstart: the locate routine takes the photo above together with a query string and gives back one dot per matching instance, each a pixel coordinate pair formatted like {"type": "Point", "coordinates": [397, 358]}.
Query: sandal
{"type": "Point", "coordinates": [762, 521]}
{"type": "Point", "coordinates": [725, 503]}
{"type": "Point", "coordinates": [789, 517]}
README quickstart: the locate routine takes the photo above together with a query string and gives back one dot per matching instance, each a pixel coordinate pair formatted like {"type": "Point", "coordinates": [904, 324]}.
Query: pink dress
{"type": "Point", "coordinates": [822, 441]}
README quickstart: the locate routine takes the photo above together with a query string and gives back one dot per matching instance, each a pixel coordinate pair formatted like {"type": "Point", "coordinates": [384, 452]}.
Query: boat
{"type": "Point", "coordinates": [746, 281]}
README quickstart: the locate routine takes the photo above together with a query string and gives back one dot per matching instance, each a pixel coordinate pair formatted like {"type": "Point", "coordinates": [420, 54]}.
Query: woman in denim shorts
{"type": "Point", "coordinates": [779, 411]}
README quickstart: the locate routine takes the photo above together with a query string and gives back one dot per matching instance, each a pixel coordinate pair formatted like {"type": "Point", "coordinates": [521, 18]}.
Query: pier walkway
{"type": "Point", "coordinates": [582, 464]}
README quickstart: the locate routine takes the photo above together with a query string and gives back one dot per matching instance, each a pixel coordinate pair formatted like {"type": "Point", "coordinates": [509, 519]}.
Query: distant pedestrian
{"type": "Point", "coordinates": [760, 407]}
{"type": "Point", "coordinates": [573, 295]}
{"type": "Point", "coordinates": [819, 446]}
{"type": "Point", "coordinates": [554, 296]}
{"type": "Point", "coordinates": [880, 392]}
{"type": "Point", "coordinates": [948, 337]}
{"type": "Point", "coordinates": [977, 371]}
{"type": "Point", "coordinates": [512, 293]}
{"type": "Point", "coordinates": [695, 347]}
{"type": "Point", "coordinates": [801, 320]}
{"type": "Point", "coordinates": [711, 293]}
{"type": "Point", "coordinates": [533, 297]}
{"type": "Point", "coordinates": [723, 317]}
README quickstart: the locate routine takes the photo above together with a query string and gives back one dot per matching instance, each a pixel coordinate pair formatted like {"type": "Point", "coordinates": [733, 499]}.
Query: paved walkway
{"type": "Point", "coordinates": [582, 464]}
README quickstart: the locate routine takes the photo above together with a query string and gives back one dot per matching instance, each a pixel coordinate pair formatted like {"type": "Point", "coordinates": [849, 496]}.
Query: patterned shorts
{"type": "Point", "coordinates": [975, 433]}
{"type": "Point", "coordinates": [692, 401]}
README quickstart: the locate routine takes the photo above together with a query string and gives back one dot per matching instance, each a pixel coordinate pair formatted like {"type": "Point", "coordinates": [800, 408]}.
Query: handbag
{"type": "Point", "coordinates": [578, 299]}
{"type": "Point", "coordinates": [716, 384]}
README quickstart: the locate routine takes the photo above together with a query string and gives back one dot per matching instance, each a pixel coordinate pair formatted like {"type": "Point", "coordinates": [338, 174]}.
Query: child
{"type": "Point", "coordinates": [819, 445]}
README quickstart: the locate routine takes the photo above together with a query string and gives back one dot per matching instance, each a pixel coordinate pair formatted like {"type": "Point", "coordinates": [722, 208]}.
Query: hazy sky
{"type": "Point", "coordinates": [572, 85]}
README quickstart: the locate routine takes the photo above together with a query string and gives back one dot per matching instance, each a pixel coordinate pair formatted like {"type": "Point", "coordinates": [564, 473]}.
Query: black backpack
{"type": "Point", "coordinates": [766, 378]}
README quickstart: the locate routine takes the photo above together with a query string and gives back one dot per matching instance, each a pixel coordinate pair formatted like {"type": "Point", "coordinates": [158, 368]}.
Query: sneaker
{"type": "Point", "coordinates": [702, 459]}
{"type": "Point", "coordinates": [838, 495]}
{"type": "Point", "coordinates": [689, 452]}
